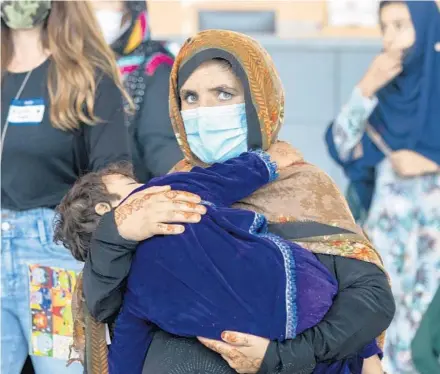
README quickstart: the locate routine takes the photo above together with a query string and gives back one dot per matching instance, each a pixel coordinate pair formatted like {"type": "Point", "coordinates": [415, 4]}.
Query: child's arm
{"type": "Point", "coordinates": [226, 183]}
{"type": "Point", "coordinates": [130, 343]}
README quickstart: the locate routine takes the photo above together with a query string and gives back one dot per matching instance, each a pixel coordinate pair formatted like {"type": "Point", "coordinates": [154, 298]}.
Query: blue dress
{"type": "Point", "coordinates": [225, 273]}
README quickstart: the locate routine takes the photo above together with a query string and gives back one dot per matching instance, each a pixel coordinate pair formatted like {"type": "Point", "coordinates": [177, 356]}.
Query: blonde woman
{"type": "Point", "coordinates": [62, 114]}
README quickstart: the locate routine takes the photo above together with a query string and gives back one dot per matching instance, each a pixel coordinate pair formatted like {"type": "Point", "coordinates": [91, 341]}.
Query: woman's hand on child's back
{"type": "Point", "coordinates": [154, 211]}
{"type": "Point", "coordinates": [283, 154]}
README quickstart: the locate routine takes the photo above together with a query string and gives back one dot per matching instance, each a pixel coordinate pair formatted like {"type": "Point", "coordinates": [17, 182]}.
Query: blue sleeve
{"type": "Point", "coordinates": [225, 183]}
{"type": "Point", "coordinates": [130, 343]}
{"type": "Point", "coordinates": [371, 350]}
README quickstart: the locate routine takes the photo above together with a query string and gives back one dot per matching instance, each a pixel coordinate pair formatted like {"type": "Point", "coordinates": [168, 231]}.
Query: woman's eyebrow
{"type": "Point", "coordinates": [398, 19]}
{"type": "Point", "coordinates": [184, 92]}
{"type": "Point", "coordinates": [401, 20]}
{"type": "Point", "coordinates": [223, 87]}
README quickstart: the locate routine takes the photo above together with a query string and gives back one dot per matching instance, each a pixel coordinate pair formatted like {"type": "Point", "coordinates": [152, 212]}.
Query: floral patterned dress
{"type": "Point", "coordinates": [404, 225]}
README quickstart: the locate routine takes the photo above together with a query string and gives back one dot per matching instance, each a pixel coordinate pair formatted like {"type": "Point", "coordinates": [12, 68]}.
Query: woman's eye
{"type": "Point", "coordinates": [191, 99]}
{"type": "Point", "coordinates": [224, 96]}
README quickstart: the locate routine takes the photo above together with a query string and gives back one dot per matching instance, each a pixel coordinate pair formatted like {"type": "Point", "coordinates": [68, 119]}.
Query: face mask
{"type": "Point", "coordinates": [24, 14]}
{"type": "Point", "coordinates": [110, 22]}
{"type": "Point", "coordinates": [216, 134]}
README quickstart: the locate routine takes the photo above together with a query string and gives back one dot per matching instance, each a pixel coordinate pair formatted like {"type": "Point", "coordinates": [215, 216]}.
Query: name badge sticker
{"type": "Point", "coordinates": [26, 112]}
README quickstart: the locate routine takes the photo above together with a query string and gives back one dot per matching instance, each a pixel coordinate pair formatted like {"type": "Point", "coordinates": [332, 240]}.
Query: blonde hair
{"type": "Point", "coordinates": [80, 56]}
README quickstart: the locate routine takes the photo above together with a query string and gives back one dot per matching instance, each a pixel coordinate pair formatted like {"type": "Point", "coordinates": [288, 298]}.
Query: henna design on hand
{"type": "Point", "coordinates": [165, 227]}
{"type": "Point", "coordinates": [231, 337]}
{"type": "Point", "coordinates": [171, 195]}
{"type": "Point", "coordinates": [122, 212]}
{"type": "Point", "coordinates": [188, 215]}
{"type": "Point", "coordinates": [239, 361]}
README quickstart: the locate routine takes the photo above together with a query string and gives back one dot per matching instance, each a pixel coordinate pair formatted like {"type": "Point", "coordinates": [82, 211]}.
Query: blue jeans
{"type": "Point", "coordinates": [27, 238]}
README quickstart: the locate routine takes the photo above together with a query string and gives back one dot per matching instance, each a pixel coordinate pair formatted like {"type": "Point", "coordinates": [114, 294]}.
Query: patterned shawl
{"type": "Point", "coordinates": [303, 204]}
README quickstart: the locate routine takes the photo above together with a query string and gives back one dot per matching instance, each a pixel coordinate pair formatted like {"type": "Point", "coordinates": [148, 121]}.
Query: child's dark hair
{"type": "Point", "coordinates": [76, 218]}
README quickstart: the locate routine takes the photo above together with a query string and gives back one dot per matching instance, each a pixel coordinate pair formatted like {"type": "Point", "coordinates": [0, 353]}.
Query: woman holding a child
{"type": "Point", "coordinates": [215, 73]}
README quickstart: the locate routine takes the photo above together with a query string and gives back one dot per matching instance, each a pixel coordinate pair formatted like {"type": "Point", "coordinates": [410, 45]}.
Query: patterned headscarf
{"type": "Point", "coordinates": [138, 55]}
{"type": "Point", "coordinates": [252, 64]}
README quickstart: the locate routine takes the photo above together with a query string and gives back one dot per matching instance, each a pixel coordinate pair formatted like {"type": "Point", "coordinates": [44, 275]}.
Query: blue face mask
{"type": "Point", "coordinates": [216, 134]}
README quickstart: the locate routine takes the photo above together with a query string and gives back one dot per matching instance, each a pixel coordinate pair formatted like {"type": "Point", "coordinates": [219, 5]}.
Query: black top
{"type": "Point", "coordinates": [39, 162]}
{"type": "Point", "coordinates": [155, 148]}
{"type": "Point", "coordinates": [363, 307]}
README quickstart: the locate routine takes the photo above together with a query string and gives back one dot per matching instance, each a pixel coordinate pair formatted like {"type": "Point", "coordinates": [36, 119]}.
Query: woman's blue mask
{"type": "Point", "coordinates": [216, 134]}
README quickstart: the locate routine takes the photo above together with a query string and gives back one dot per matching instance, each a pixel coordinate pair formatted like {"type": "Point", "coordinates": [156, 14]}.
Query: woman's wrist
{"type": "Point", "coordinates": [367, 89]}
{"type": "Point", "coordinates": [365, 96]}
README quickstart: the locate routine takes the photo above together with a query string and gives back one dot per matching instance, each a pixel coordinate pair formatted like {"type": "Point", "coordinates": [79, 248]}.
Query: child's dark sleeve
{"type": "Point", "coordinates": [225, 183]}
{"type": "Point", "coordinates": [106, 270]}
{"type": "Point", "coordinates": [130, 343]}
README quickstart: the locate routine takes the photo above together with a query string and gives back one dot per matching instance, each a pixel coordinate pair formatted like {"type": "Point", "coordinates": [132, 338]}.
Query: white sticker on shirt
{"type": "Point", "coordinates": [26, 112]}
